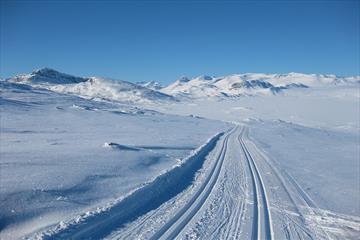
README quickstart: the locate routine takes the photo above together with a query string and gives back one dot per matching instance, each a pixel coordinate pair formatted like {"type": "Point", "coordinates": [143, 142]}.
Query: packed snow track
{"type": "Point", "coordinates": [227, 189]}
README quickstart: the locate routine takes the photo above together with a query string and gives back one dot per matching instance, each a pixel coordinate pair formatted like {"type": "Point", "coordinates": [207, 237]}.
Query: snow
{"type": "Point", "coordinates": [114, 90]}
{"type": "Point", "coordinates": [54, 165]}
{"type": "Point", "coordinates": [271, 155]}
{"type": "Point", "coordinates": [335, 107]}
{"type": "Point", "coordinates": [327, 159]}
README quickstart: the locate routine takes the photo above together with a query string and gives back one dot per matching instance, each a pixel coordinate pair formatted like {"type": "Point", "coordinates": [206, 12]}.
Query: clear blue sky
{"type": "Point", "coordinates": [158, 40]}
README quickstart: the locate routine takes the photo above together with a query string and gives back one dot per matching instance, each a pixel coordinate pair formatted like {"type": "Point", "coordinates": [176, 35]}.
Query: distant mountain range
{"type": "Point", "coordinates": [251, 84]}
{"type": "Point", "coordinates": [231, 86]}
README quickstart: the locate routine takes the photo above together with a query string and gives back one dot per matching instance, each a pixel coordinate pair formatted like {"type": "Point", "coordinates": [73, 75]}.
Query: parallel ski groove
{"type": "Point", "coordinates": [258, 183]}
{"type": "Point", "coordinates": [173, 227]}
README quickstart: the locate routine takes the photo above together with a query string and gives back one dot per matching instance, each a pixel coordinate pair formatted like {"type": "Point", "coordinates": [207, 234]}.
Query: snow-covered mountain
{"type": "Point", "coordinates": [91, 87]}
{"type": "Point", "coordinates": [153, 85]}
{"type": "Point", "coordinates": [231, 86]}
{"type": "Point", "coordinates": [251, 84]}
{"type": "Point", "coordinates": [112, 90]}
{"type": "Point", "coordinates": [47, 76]}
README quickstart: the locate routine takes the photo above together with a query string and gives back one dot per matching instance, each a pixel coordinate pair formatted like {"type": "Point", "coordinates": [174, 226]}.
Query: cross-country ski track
{"type": "Point", "coordinates": [227, 189]}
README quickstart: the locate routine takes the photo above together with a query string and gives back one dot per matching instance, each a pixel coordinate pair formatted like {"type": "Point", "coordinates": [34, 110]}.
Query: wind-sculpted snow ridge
{"type": "Point", "coordinates": [251, 84]}
{"type": "Point", "coordinates": [92, 87]}
{"type": "Point", "coordinates": [101, 222]}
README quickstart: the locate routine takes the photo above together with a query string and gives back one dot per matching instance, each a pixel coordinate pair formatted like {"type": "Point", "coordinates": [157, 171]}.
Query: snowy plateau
{"type": "Point", "coordinates": [244, 156]}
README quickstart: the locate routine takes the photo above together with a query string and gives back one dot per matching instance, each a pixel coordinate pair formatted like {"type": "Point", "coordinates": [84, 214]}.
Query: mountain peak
{"type": "Point", "coordinates": [153, 85]}
{"type": "Point", "coordinates": [183, 79]}
{"type": "Point", "coordinates": [48, 76]}
{"type": "Point", "coordinates": [205, 77]}
{"type": "Point", "coordinates": [45, 70]}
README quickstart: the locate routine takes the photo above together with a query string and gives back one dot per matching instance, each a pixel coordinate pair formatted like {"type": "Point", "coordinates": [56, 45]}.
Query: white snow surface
{"type": "Point", "coordinates": [53, 161]}
{"type": "Point", "coordinates": [112, 90]}
{"type": "Point", "coordinates": [245, 156]}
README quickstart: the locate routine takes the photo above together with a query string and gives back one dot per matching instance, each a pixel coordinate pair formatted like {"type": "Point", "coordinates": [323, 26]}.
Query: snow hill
{"type": "Point", "coordinates": [251, 84]}
{"type": "Point", "coordinates": [114, 90]}
{"type": "Point", "coordinates": [92, 87]}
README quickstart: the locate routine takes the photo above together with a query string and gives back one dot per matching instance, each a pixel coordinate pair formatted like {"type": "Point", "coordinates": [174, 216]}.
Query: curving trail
{"type": "Point", "coordinates": [229, 189]}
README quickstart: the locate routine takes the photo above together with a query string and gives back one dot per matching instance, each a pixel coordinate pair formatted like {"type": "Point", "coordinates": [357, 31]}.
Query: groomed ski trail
{"type": "Point", "coordinates": [262, 215]}
{"type": "Point", "coordinates": [228, 189]}
{"type": "Point", "coordinates": [172, 228]}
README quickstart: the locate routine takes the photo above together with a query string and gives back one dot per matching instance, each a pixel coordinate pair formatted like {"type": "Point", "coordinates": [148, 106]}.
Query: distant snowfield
{"type": "Point", "coordinates": [332, 107]}
{"type": "Point", "coordinates": [81, 158]}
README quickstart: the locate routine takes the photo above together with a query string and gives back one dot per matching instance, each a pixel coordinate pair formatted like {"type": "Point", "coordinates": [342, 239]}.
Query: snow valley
{"type": "Point", "coordinates": [244, 156]}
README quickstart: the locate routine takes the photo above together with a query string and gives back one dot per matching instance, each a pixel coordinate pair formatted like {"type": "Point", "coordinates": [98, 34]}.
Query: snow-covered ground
{"type": "Point", "coordinates": [62, 155]}
{"type": "Point", "coordinates": [246, 156]}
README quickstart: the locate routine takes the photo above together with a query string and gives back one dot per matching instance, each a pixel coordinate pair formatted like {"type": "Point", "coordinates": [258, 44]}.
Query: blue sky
{"type": "Point", "coordinates": [158, 40]}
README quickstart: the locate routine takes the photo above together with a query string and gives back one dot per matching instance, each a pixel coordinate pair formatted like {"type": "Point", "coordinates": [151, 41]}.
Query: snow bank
{"type": "Point", "coordinates": [100, 222]}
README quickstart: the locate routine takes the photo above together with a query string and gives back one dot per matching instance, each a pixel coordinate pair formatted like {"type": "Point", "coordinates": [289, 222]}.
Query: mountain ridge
{"type": "Point", "coordinates": [252, 84]}
{"type": "Point", "coordinates": [204, 86]}
{"type": "Point", "coordinates": [90, 87]}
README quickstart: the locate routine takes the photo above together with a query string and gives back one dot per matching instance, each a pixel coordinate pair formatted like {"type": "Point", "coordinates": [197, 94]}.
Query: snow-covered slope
{"type": "Point", "coordinates": [251, 84]}
{"type": "Point", "coordinates": [114, 90]}
{"type": "Point", "coordinates": [62, 155]}
{"type": "Point", "coordinates": [93, 87]}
